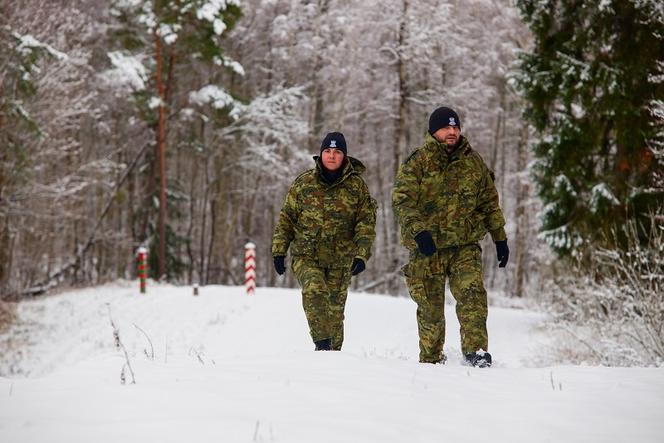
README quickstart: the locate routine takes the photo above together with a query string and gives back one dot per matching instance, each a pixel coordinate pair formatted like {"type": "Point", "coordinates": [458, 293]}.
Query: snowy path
{"type": "Point", "coordinates": [231, 368]}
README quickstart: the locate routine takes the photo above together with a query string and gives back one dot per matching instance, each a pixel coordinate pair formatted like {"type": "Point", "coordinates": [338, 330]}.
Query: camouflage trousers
{"type": "Point", "coordinates": [324, 292]}
{"type": "Point", "coordinates": [425, 277]}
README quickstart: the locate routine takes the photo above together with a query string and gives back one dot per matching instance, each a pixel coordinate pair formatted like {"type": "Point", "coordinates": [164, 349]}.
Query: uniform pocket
{"type": "Point", "coordinates": [421, 266]}
{"type": "Point", "coordinates": [305, 242]}
{"type": "Point", "coordinates": [406, 239]}
{"type": "Point", "coordinates": [474, 228]}
{"type": "Point", "coordinates": [417, 290]}
{"type": "Point", "coordinates": [345, 251]}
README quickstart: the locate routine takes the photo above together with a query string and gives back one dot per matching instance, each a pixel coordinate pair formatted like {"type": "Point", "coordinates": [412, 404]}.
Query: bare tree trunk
{"type": "Point", "coordinates": [271, 220]}
{"type": "Point", "coordinates": [317, 114]}
{"type": "Point", "coordinates": [521, 215]}
{"type": "Point", "coordinates": [493, 160]}
{"type": "Point", "coordinates": [401, 123]}
{"type": "Point", "coordinates": [384, 231]}
{"type": "Point", "coordinates": [504, 152]}
{"type": "Point", "coordinates": [161, 149]}
{"type": "Point", "coordinates": [213, 239]}
{"type": "Point", "coordinates": [216, 186]}
{"type": "Point", "coordinates": [190, 222]}
{"type": "Point", "coordinates": [203, 259]}
{"type": "Point", "coordinates": [400, 143]}
{"type": "Point", "coordinates": [6, 253]}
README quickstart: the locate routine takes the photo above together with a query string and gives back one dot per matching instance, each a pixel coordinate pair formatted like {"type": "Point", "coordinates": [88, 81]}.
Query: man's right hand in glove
{"type": "Point", "coordinates": [425, 243]}
{"type": "Point", "coordinates": [502, 253]}
{"type": "Point", "coordinates": [280, 264]}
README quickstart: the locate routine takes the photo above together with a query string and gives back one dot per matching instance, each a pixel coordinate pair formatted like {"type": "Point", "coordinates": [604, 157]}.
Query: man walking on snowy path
{"type": "Point", "coordinates": [445, 200]}
{"type": "Point", "coordinates": [328, 220]}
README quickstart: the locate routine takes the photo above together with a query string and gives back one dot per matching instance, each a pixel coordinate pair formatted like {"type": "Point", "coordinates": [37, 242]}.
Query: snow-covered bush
{"type": "Point", "coordinates": [613, 313]}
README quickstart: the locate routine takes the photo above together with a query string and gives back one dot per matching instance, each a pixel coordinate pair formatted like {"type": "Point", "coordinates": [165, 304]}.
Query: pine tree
{"type": "Point", "coordinates": [20, 56]}
{"type": "Point", "coordinates": [168, 34]}
{"type": "Point", "coordinates": [595, 84]}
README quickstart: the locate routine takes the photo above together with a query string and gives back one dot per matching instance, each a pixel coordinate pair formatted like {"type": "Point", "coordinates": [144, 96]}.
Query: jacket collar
{"type": "Point", "coordinates": [351, 166]}
{"type": "Point", "coordinates": [461, 149]}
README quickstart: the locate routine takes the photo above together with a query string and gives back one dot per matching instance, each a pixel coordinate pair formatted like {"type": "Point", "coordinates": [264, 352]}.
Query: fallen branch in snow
{"type": "Point", "coordinates": [120, 345]}
{"type": "Point", "coordinates": [199, 355]}
{"type": "Point", "coordinates": [553, 385]}
{"type": "Point", "coordinates": [151, 355]}
{"type": "Point", "coordinates": [382, 280]}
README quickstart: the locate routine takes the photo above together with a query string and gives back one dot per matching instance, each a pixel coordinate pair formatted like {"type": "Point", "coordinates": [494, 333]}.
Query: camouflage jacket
{"type": "Point", "coordinates": [453, 196]}
{"type": "Point", "coordinates": [328, 223]}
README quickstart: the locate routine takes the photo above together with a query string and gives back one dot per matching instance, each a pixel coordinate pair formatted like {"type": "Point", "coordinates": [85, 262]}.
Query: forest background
{"type": "Point", "coordinates": [179, 125]}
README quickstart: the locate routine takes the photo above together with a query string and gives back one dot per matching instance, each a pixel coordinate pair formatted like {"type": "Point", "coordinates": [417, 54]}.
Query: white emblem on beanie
{"type": "Point", "coordinates": [452, 121]}
{"type": "Point", "coordinates": [333, 143]}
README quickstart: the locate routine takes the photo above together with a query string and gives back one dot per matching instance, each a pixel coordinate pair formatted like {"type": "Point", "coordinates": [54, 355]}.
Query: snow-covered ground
{"type": "Point", "coordinates": [232, 368]}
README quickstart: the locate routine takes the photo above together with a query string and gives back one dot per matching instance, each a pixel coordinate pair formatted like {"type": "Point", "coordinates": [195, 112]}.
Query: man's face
{"type": "Point", "coordinates": [332, 158]}
{"type": "Point", "coordinates": [448, 135]}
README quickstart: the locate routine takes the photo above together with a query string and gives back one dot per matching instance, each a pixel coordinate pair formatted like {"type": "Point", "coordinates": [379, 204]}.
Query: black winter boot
{"type": "Point", "coordinates": [324, 345]}
{"type": "Point", "coordinates": [479, 359]}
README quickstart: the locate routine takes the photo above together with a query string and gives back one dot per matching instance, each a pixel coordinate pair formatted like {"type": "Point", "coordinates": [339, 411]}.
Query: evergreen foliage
{"type": "Point", "coordinates": [19, 57]}
{"type": "Point", "coordinates": [594, 82]}
{"type": "Point", "coordinates": [190, 33]}
{"type": "Point", "coordinates": [19, 62]}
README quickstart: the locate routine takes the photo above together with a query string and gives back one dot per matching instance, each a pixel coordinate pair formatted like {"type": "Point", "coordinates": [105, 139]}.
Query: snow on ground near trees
{"type": "Point", "coordinates": [234, 368]}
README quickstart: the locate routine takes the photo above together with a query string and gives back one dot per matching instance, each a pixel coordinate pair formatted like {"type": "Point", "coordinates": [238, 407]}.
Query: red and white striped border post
{"type": "Point", "coordinates": [142, 267]}
{"type": "Point", "coordinates": [250, 267]}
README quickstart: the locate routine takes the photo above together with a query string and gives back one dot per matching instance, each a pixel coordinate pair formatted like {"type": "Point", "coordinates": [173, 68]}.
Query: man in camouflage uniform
{"type": "Point", "coordinates": [328, 220]}
{"type": "Point", "coordinates": [446, 201]}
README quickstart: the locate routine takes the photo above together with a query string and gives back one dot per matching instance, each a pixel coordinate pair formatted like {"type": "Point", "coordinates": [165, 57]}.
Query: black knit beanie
{"type": "Point", "coordinates": [443, 117]}
{"type": "Point", "coordinates": [334, 140]}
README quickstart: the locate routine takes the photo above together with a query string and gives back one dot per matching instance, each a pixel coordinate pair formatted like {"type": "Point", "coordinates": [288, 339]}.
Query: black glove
{"type": "Point", "coordinates": [425, 243]}
{"type": "Point", "coordinates": [280, 264]}
{"type": "Point", "coordinates": [358, 266]}
{"type": "Point", "coordinates": [502, 253]}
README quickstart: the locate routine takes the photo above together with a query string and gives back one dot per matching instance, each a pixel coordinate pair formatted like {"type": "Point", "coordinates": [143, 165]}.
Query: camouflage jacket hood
{"type": "Point", "coordinates": [453, 196]}
{"type": "Point", "coordinates": [329, 224]}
